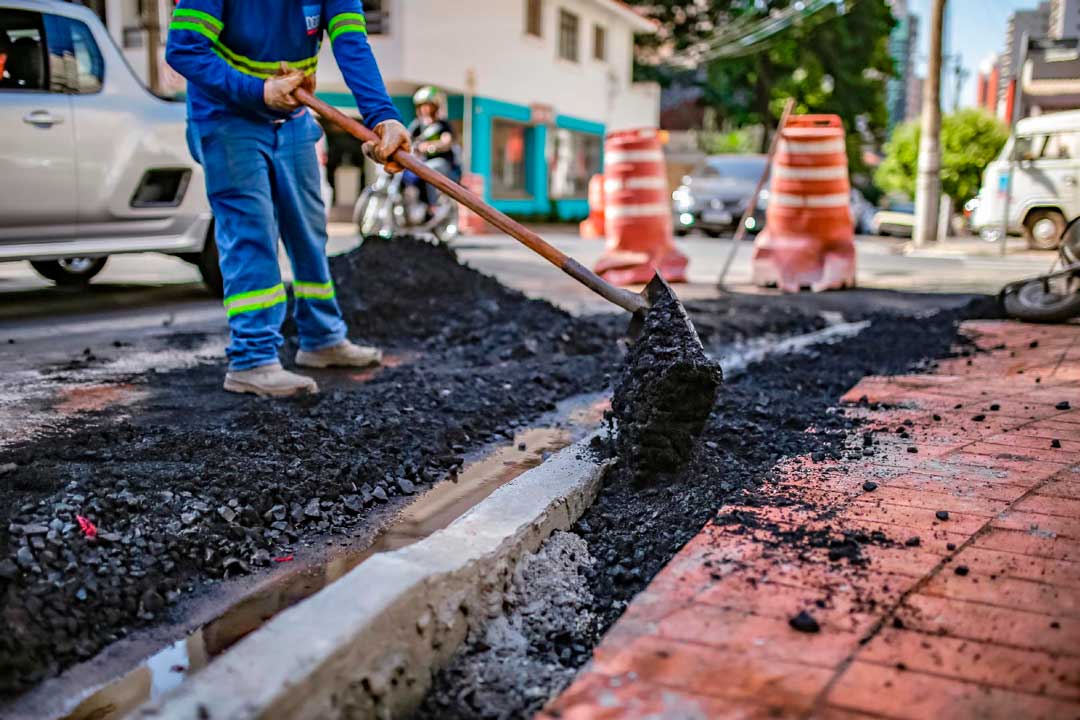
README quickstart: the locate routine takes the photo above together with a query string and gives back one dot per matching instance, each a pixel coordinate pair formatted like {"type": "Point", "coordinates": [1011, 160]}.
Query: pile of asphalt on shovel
{"type": "Point", "coordinates": [563, 599]}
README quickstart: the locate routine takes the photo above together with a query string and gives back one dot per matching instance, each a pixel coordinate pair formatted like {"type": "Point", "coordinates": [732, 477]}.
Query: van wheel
{"type": "Point", "coordinates": [70, 272]}
{"type": "Point", "coordinates": [209, 266]}
{"type": "Point", "coordinates": [1043, 229]}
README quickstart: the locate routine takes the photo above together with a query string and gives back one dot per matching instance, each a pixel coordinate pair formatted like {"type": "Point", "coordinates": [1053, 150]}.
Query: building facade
{"type": "Point", "coordinates": [903, 45]}
{"type": "Point", "coordinates": [533, 86]}
{"type": "Point", "coordinates": [1064, 19]}
{"type": "Point", "coordinates": [1036, 25]}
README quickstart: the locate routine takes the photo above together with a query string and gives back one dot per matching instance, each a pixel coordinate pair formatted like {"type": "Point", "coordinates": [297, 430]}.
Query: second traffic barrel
{"type": "Point", "coordinates": [808, 241]}
{"type": "Point", "coordinates": [637, 212]}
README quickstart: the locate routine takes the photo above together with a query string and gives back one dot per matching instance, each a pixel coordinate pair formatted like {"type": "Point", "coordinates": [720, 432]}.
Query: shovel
{"type": "Point", "coordinates": [637, 304]}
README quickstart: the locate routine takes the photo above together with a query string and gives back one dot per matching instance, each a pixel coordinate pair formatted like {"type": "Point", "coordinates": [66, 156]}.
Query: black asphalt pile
{"type": "Point", "coordinates": [664, 394]}
{"type": "Point", "coordinates": [780, 407]}
{"type": "Point", "coordinates": [761, 417]}
{"type": "Point", "coordinates": [194, 486]}
{"type": "Point", "coordinates": [409, 290]}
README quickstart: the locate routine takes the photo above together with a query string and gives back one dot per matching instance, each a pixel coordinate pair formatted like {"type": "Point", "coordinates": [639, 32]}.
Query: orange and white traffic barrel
{"type": "Point", "coordinates": [593, 227]}
{"type": "Point", "coordinates": [637, 212]}
{"type": "Point", "coordinates": [809, 236]}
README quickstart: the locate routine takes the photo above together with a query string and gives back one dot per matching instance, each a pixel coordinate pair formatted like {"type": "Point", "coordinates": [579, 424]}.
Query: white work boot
{"type": "Point", "coordinates": [344, 354]}
{"type": "Point", "coordinates": [269, 381]}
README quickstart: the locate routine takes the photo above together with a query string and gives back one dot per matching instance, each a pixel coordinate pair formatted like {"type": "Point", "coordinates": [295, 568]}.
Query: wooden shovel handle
{"type": "Point", "coordinates": [625, 299]}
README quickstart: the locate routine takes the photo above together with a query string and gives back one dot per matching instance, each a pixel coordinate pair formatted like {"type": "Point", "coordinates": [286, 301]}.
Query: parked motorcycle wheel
{"type": "Point", "coordinates": [367, 214]}
{"type": "Point", "coordinates": [1039, 302]}
{"type": "Point", "coordinates": [448, 229]}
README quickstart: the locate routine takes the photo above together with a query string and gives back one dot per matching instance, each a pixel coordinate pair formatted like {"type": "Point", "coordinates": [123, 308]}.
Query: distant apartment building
{"type": "Point", "coordinates": [1064, 19]}
{"type": "Point", "coordinates": [1035, 24]}
{"type": "Point", "coordinates": [903, 45]}
{"type": "Point", "coordinates": [913, 108]}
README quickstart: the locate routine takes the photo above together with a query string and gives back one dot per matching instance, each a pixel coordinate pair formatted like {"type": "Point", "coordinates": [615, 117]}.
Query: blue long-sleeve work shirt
{"type": "Point", "coordinates": [227, 48]}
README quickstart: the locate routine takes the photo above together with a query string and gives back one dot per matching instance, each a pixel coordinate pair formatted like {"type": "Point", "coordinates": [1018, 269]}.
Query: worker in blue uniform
{"type": "Point", "coordinates": [243, 59]}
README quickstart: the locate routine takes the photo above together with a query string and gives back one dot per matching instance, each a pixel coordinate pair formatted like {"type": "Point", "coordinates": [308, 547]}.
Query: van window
{"type": "Point", "coordinates": [1028, 147]}
{"type": "Point", "coordinates": [1060, 146]}
{"type": "Point", "coordinates": [23, 66]}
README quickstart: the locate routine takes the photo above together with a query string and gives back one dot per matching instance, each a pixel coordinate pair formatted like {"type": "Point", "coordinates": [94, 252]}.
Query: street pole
{"type": "Point", "coordinates": [152, 21]}
{"type": "Point", "coordinates": [928, 180]}
{"type": "Point", "coordinates": [467, 120]}
{"type": "Point", "coordinates": [1010, 167]}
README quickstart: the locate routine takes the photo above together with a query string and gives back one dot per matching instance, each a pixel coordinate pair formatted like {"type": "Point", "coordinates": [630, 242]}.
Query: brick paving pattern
{"type": "Point", "coordinates": [973, 615]}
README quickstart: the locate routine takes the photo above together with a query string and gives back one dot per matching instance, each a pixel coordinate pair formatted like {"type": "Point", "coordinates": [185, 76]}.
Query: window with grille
{"type": "Point", "coordinates": [568, 35]}
{"type": "Point", "coordinates": [599, 42]}
{"type": "Point", "coordinates": [534, 17]}
{"type": "Point", "coordinates": [377, 14]}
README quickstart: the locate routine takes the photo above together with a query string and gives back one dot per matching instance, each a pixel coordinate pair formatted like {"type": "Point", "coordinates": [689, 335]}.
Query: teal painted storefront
{"type": "Point", "coordinates": [538, 203]}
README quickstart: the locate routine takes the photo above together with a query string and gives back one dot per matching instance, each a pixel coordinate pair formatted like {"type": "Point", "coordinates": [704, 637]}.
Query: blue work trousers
{"type": "Point", "coordinates": [263, 183]}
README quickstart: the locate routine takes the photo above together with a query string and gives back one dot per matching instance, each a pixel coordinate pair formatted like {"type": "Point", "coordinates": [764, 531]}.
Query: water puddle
{"type": "Point", "coordinates": [293, 582]}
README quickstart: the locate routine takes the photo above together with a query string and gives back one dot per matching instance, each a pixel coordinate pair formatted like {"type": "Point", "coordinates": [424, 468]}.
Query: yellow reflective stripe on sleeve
{"type": "Point", "coordinates": [314, 291]}
{"type": "Point", "coordinates": [199, 15]}
{"type": "Point", "coordinates": [261, 69]}
{"type": "Point", "coordinates": [255, 300]}
{"type": "Point", "coordinates": [346, 17]}
{"type": "Point", "coordinates": [346, 23]}
{"type": "Point", "coordinates": [198, 27]}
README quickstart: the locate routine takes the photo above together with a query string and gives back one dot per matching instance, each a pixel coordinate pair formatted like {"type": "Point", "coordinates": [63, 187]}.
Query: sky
{"type": "Point", "coordinates": [978, 30]}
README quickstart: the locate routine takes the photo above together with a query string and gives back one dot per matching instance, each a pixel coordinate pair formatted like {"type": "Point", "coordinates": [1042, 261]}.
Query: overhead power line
{"type": "Point", "coordinates": [746, 37]}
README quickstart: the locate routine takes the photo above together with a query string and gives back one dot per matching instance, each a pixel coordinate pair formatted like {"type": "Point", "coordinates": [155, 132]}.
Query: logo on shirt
{"type": "Point", "coordinates": [313, 19]}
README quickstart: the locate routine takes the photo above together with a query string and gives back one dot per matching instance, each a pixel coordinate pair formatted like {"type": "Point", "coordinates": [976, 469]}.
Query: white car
{"type": "Point", "coordinates": [91, 163]}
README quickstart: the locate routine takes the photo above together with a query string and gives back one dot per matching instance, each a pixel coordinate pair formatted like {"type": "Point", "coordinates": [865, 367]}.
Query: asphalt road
{"type": "Point", "coordinates": [129, 319]}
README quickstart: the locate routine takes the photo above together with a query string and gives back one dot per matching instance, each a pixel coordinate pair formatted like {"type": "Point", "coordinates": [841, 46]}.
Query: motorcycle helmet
{"type": "Point", "coordinates": [430, 95]}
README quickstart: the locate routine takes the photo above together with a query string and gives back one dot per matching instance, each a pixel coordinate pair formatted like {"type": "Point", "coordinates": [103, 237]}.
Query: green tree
{"type": "Point", "coordinates": [835, 62]}
{"type": "Point", "coordinates": [970, 140]}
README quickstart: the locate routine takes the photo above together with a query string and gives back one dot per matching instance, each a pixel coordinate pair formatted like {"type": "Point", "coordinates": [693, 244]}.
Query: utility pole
{"type": "Point", "coordinates": [152, 23]}
{"type": "Point", "coordinates": [928, 180]}
{"type": "Point", "coordinates": [962, 74]}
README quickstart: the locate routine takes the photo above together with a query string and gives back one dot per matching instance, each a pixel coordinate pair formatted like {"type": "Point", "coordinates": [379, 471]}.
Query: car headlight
{"type": "Point", "coordinates": [683, 199]}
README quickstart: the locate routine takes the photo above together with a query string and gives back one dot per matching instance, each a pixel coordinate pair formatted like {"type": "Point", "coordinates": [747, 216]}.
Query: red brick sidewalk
{"type": "Point", "coordinates": [921, 615]}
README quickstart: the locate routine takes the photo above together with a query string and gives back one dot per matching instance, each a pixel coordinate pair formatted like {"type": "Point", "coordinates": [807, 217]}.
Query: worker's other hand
{"type": "Point", "coordinates": [392, 137]}
{"type": "Point", "coordinates": [278, 90]}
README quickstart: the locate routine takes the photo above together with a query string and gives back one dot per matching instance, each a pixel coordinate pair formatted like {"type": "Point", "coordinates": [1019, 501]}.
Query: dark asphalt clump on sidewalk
{"type": "Point", "coordinates": [664, 394]}
{"type": "Point", "coordinates": [194, 486]}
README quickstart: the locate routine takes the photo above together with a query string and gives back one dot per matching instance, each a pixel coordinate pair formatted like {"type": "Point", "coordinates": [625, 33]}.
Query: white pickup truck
{"type": "Point", "coordinates": [91, 163]}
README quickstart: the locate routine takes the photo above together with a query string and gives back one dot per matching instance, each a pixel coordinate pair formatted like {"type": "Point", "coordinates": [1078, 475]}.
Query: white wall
{"type": "Point", "coordinates": [438, 42]}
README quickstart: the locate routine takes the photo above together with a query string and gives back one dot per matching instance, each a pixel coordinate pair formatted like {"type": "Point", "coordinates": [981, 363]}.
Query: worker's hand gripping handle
{"type": "Point", "coordinates": [625, 299]}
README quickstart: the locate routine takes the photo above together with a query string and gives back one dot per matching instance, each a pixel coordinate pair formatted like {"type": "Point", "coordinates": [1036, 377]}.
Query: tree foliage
{"type": "Point", "coordinates": [836, 64]}
{"type": "Point", "coordinates": [970, 140]}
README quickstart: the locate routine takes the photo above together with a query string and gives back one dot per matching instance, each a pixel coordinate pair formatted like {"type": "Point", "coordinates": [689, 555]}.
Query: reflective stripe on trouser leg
{"type": "Point", "coordinates": [302, 214]}
{"type": "Point", "coordinates": [237, 158]}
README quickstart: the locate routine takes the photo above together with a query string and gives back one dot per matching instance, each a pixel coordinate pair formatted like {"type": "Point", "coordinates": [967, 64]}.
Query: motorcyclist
{"type": "Point", "coordinates": [433, 140]}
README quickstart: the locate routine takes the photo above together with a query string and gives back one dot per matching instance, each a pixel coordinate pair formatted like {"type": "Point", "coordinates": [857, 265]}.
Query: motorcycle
{"type": "Point", "coordinates": [388, 207]}
{"type": "Point", "coordinates": [1054, 297]}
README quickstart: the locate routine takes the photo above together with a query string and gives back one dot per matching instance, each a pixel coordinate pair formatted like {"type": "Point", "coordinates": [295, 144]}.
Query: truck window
{"type": "Point", "coordinates": [24, 67]}
{"type": "Point", "coordinates": [76, 61]}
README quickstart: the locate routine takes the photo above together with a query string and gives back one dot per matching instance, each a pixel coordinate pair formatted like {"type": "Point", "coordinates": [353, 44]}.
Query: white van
{"type": "Point", "coordinates": [1045, 154]}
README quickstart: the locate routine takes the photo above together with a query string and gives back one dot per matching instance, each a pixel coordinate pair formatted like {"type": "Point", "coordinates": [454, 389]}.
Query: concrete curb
{"type": "Point", "coordinates": [367, 645]}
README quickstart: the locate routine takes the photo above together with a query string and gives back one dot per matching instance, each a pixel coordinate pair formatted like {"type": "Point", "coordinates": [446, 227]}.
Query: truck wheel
{"type": "Point", "coordinates": [1043, 229]}
{"type": "Point", "coordinates": [1037, 302]}
{"type": "Point", "coordinates": [209, 266]}
{"type": "Point", "coordinates": [70, 272]}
